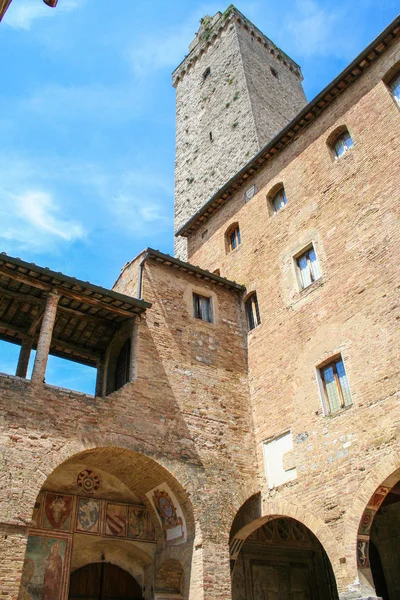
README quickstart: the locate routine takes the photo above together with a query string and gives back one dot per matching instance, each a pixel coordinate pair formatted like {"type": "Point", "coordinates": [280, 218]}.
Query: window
{"type": "Point", "coordinates": [122, 370]}
{"type": "Point", "coordinates": [307, 267]}
{"type": "Point", "coordinates": [248, 195]}
{"type": "Point", "coordinates": [278, 200]}
{"type": "Point", "coordinates": [232, 237]}
{"type": "Point", "coordinates": [335, 387]}
{"type": "Point", "coordinates": [202, 308]}
{"type": "Point", "coordinates": [206, 73]}
{"type": "Point", "coordinates": [395, 88]}
{"type": "Point", "coordinates": [274, 73]}
{"type": "Point", "coordinates": [342, 143]}
{"type": "Point", "coordinates": [252, 311]}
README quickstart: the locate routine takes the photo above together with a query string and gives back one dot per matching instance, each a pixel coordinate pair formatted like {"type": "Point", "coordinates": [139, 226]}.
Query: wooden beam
{"type": "Point", "coordinates": [75, 348]}
{"type": "Point", "coordinates": [17, 276]}
{"type": "Point", "coordinates": [20, 296]}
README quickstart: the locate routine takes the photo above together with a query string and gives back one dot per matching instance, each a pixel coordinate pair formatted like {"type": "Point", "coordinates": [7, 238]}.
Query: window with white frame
{"type": "Point", "coordinates": [307, 267]}
{"type": "Point", "coordinates": [232, 237]}
{"type": "Point", "coordinates": [334, 386]}
{"type": "Point", "coordinates": [202, 308]}
{"type": "Point", "coordinates": [342, 144]}
{"type": "Point", "coordinates": [278, 200]}
{"type": "Point", "coordinates": [394, 86]}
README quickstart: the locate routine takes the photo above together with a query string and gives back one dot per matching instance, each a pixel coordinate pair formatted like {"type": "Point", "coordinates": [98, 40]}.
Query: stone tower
{"type": "Point", "coordinates": [235, 91]}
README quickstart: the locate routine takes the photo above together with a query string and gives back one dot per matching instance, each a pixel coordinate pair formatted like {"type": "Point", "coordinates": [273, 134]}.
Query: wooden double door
{"type": "Point", "coordinates": [103, 581]}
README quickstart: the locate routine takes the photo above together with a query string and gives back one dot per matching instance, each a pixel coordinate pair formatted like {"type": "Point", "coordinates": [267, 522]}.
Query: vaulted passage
{"type": "Point", "coordinates": [103, 581]}
{"type": "Point", "coordinates": [282, 560]}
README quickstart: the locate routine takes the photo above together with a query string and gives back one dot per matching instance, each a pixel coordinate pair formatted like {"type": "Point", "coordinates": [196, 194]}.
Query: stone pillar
{"type": "Point", "coordinates": [133, 350]}
{"type": "Point", "coordinates": [100, 377]}
{"type": "Point", "coordinates": [46, 331]}
{"type": "Point", "coordinates": [24, 356]}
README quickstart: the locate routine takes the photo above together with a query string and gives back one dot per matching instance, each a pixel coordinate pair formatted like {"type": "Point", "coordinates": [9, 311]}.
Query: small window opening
{"type": "Point", "coordinates": [122, 370]}
{"type": "Point", "coordinates": [308, 269]}
{"type": "Point", "coordinates": [206, 73]}
{"type": "Point", "coordinates": [217, 272]}
{"type": "Point", "coordinates": [278, 200]}
{"type": "Point", "coordinates": [335, 386]}
{"type": "Point", "coordinates": [203, 235]}
{"type": "Point", "coordinates": [342, 144]}
{"type": "Point", "coordinates": [249, 194]}
{"type": "Point", "coordinates": [202, 308]}
{"type": "Point", "coordinates": [252, 311]}
{"type": "Point", "coordinates": [394, 86]}
{"type": "Point", "coordinates": [274, 73]}
{"type": "Point", "coordinates": [211, 136]}
{"type": "Point", "coordinates": [233, 238]}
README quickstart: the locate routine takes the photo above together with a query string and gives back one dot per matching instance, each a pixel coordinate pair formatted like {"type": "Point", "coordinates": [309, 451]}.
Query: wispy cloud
{"type": "Point", "coordinates": [32, 219]}
{"type": "Point", "coordinates": [23, 13]}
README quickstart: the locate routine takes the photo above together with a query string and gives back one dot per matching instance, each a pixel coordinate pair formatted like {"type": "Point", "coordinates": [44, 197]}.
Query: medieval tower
{"type": "Point", "coordinates": [234, 92]}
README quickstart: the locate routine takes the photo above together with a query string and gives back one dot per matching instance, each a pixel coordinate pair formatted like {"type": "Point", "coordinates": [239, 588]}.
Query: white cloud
{"type": "Point", "coordinates": [22, 13]}
{"type": "Point", "coordinates": [31, 220]}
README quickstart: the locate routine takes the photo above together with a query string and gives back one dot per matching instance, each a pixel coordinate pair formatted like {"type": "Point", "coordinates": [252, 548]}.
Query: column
{"type": "Point", "coordinates": [100, 377]}
{"type": "Point", "coordinates": [24, 356]}
{"type": "Point", "coordinates": [46, 331]}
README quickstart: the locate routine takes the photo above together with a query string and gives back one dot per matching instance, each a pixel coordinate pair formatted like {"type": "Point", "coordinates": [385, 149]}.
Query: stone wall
{"type": "Point", "coordinates": [347, 208]}
{"type": "Point", "coordinates": [223, 119]}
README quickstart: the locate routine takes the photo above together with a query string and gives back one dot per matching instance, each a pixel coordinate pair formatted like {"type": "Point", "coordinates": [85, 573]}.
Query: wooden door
{"type": "Point", "coordinates": [103, 581]}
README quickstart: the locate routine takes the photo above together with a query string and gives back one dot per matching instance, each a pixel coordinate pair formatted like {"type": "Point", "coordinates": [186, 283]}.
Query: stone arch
{"type": "Point", "coordinates": [71, 449]}
{"type": "Point", "coordinates": [115, 554]}
{"type": "Point", "coordinates": [368, 499]}
{"type": "Point", "coordinates": [306, 538]}
{"type": "Point", "coordinates": [273, 509]}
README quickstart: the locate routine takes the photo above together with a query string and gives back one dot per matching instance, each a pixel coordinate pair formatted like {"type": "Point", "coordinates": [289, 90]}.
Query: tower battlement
{"type": "Point", "coordinates": [234, 92]}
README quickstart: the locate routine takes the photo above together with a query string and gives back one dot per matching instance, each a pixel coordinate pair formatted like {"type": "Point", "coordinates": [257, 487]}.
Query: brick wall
{"type": "Point", "coordinates": [348, 208]}
{"type": "Point", "coordinates": [185, 418]}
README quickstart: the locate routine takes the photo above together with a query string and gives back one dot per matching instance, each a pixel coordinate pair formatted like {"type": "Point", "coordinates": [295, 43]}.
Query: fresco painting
{"type": "Point", "coordinates": [116, 520]}
{"type": "Point", "coordinates": [46, 567]}
{"type": "Point", "coordinates": [140, 526]}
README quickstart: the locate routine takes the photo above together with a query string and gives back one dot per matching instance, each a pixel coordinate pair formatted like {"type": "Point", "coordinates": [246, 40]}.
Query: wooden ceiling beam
{"type": "Point", "coordinates": [17, 276]}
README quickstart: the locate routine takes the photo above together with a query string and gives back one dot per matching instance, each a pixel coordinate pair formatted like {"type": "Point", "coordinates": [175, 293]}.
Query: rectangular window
{"type": "Point", "coordinates": [252, 312]}
{"type": "Point", "coordinates": [202, 308]}
{"type": "Point", "coordinates": [307, 268]}
{"type": "Point", "coordinates": [395, 87]}
{"type": "Point", "coordinates": [335, 387]}
{"type": "Point", "coordinates": [235, 238]}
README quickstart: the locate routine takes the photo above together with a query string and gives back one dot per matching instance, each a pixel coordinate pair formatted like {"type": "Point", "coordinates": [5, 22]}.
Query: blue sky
{"type": "Point", "coordinates": [87, 117]}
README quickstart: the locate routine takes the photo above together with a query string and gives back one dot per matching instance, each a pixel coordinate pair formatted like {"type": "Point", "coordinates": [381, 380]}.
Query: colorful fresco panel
{"type": "Point", "coordinates": [88, 516]}
{"type": "Point", "coordinates": [46, 567]}
{"type": "Point", "coordinates": [57, 512]}
{"type": "Point", "coordinates": [140, 526]}
{"type": "Point", "coordinates": [116, 520]}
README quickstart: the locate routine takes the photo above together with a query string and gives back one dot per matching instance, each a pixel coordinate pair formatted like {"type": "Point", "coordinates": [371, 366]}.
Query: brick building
{"type": "Point", "coordinates": [243, 439]}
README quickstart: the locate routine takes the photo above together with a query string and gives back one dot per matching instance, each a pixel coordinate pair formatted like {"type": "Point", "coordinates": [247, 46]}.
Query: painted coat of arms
{"type": "Point", "coordinates": [116, 520]}
{"type": "Point", "coordinates": [172, 523]}
{"type": "Point", "coordinates": [57, 512]}
{"type": "Point", "coordinates": [88, 515]}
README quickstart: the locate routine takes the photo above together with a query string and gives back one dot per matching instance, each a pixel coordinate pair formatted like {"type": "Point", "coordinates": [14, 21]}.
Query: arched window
{"type": "Point", "coordinates": [278, 199]}
{"type": "Point", "coordinates": [122, 370]}
{"type": "Point", "coordinates": [252, 311]}
{"type": "Point", "coordinates": [341, 142]}
{"type": "Point", "coordinates": [232, 237]}
{"type": "Point", "coordinates": [394, 86]}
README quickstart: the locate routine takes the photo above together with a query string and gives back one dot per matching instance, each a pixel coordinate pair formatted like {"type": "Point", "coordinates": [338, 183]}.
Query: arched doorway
{"type": "Point", "coordinates": [103, 581]}
{"type": "Point", "coordinates": [107, 516]}
{"type": "Point", "coordinates": [277, 558]}
{"type": "Point", "coordinates": [378, 543]}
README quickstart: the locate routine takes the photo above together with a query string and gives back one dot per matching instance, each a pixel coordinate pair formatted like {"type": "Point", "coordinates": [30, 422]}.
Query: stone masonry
{"type": "Point", "coordinates": [224, 116]}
